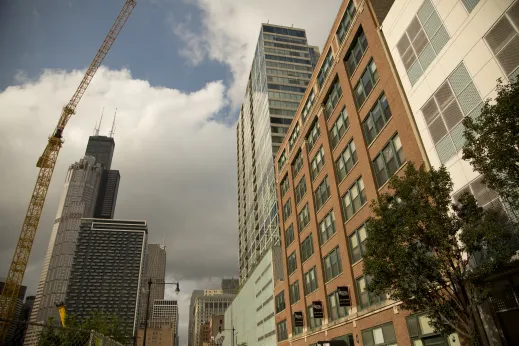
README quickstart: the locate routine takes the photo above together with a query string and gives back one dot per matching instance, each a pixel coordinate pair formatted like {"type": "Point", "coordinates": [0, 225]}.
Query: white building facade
{"type": "Point", "coordinates": [252, 311]}
{"type": "Point", "coordinates": [449, 55]}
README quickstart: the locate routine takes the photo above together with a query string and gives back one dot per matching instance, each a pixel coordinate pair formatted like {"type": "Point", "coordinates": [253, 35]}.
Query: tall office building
{"type": "Point", "coordinates": [77, 200]}
{"type": "Point", "coordinates": [162, 326]}
{"type": "Point", "coordinates": [191, 325]}
{"type": "Point", "coordinates": [353, 131]}
{"type": "Point", "coordinates": [107, 270]}
{"type": "Point", "coordinates": [213, 302]}
{"type": "Point", "coordinates": [155, 270]}
{"type": "Point", "coordinates": [449, 55]}
{"type": "Point", "coordinates": [14, 328]}
{"type": "Point", "coordinates": [230, 285]}
{"type": "Point", "coordinates": [281, 69]}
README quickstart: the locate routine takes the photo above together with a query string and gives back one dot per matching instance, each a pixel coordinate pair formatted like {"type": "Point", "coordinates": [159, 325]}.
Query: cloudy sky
{"type": "Point", "coordinates": [176, 75]}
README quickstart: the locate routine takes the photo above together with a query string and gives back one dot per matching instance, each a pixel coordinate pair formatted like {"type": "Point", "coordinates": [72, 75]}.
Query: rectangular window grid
{"type": "Point", "coordinates": [325, 68]}
{"type": "Point", "coordinates": [293, 136]}
{"type": "Point", "coordinates": [282, 160]}
{"type": "Point", "coordinates": [346, 21]}
{"type": "Point", "coordinates": [291, 263]}
{"type": "Point", "coordinates": [389, 160]}
{"type": "Point", "coordinates": [423, 40]}
{"type": "Point", "coordinates": [308, 106]}
{"type": "Point", "coordinates": [346, 161]}
{"type": "Point", "coordinates": [332, 98]}
{"type": "Point", "coordinates": [365, 297]}
{"type": "Point", "coordinates": [376, 119]}
{"type": "Point", "coordinates": [317, 163]}
{"type": "Point", "coordinates": [280, 302]}
{"type": "Point", "coordinates": [354, 199]}
{"type": "Point", "coordinates": [383, 335]}
{"type": "Point", "coordinates": [322, 193]}
{"type": "Point", "coordinates": [294, 292]}
{"type": "Point", "coordinates": [297, 164]}
{"type": "Point", "coordinates": [313, 135]}
{"type": "Point", "coordinates": [327, 227]}
{"type": "Point", "coordinates": [334, 310]}
{"type": "Point", "coordinates": [282, 331]}
{"type": "Point", "coordinates": [285, 185]}
{"type": "Point", "coordinates": [356, 52]}
{"type": "Point", "coordinates": [307, 248]}
{"type": "Point", "coordinates": [310, 281]}
{"type": "Point", "coordinates": [357, 242]}
{"type": "Point", "coordinates": [303, 218]}
{"type": "Point", "coordinates": [313, 322]}
{"type": "Point", "coordinates": [339, 128]}
{"type": "Point", "coordinates": [332, 264]}
{"type": "Point", "coordinates": [444, 111]}
{"type": "Point", "coordinates": [300, 190]}
{"type": "Point", "coordinates": [289, 235]}
{"type": "Point", "coordinates": [287, 210]}
{"type": "Point", "coordinates": [366, 83]}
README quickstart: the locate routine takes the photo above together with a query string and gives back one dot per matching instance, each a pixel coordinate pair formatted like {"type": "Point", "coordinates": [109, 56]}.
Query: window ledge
{"type": "Point", "coordinates": [358, 211]}
{"type": "Point", "coordinates": [340, 139]}
{"type": "Point", "coordinates": [343, 179]}
{"type": "Point", "coordinates": [324, 204]}
{"type": "Point", "coordinates": [302, 263]}
{"type": "Point", "coordinates": [327, 240]}
{"type": "Point", "coordinates": [327, 282]}
{"type": "Point", "coordinates": [357, 262]}
{"type": "Point", "coordinates": [356, 67]}
{"type": "Point", "coordinates": [367, 96]}
{"type": "Point", "coordinates": [334, 108]}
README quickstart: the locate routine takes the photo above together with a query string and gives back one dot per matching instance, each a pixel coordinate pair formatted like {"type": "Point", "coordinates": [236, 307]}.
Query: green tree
{"type": "Point", "coordinates": [417, 254]}
{"type": "Point", "coordinates": [492, 142]}
{"type": "Point", "coordinates": [49, 336]}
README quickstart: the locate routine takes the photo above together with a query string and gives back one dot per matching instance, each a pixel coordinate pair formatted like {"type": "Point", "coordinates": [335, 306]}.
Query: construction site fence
{"type": "Point", "coordinates": [41, 334]}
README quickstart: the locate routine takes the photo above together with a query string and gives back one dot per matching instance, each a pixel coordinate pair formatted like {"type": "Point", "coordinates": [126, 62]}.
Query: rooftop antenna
{"type": "Point", "coordinates": [112, 131]}
{"type": "Point", "coordinates": [96, 129]}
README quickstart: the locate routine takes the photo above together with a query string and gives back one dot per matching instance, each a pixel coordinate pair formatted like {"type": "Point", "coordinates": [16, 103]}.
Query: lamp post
{"type": "Point", "coordinates": [233, 333]}
{"type": "Point", "coordinates": [177, 291]}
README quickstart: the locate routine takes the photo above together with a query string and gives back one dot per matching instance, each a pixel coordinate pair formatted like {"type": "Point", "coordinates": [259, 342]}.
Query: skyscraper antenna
{"type": "Point", "coordinates": [96, 132]}
{"type": "Point", "coordinates": [112, 131]}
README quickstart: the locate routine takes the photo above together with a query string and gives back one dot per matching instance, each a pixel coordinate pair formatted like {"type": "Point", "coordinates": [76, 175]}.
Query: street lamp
{"type": "Point", "coordinates": [233, 333]}
{"type": "Point", "coordinates": [177, 291]}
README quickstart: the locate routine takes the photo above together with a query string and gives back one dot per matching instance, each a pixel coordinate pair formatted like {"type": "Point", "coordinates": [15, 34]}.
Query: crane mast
{"type": "Point", "coordinates": [46, 164]}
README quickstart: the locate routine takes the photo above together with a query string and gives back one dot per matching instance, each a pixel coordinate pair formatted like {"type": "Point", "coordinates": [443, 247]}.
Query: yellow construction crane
{"type": "Point", "coordinates": [46, 164]}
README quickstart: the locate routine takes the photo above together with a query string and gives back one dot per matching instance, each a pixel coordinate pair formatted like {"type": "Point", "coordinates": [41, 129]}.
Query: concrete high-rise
{"type": "Point", "coordinates": [281, 69]}
{"type": "Point", "coordinates": [77, 201]}
{"type": "Point", "coordinates": [230, 285]}
{"type": "Point", "coordinates": [13, 330]}
{"type": "Point", "coordinates": [162, 325]}
{"type": "Point", "coordinates": [155, 270]}
{"type": "Point", "coordinates": [107, 270]}
{"type": "Point", "coordinates": [191, 326]}
{"type": "Point", "coordinates": [213, 302]}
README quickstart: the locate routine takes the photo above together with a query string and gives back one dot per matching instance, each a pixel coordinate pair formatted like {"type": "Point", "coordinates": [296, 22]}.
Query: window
{"type": "Point", "coordinates": [322, 193]}
{"type": "Point", "coordinates": [289, 235]}
{"type": "Point", "coordinates": [422, 41]}
{"type": "Point", "coordinates": [287, 210]}
{"type": "Point", "coordinates": [280, 302]}
{"type": "Point", "coordinates": [307, 248]}
{"type": "Point", "coordinates": [376, 119]}
{"type": "Point", "coordinates": [293, 136]}
{"type": "Point", "coordinates": [325, 68]}
{"type": "Point", "coordinates": [444, 112]}
{"type": "Point", "coordinates": [389, 160]}
{"type": "Point", "coordinates": [354, 199]}
{"type": "Point", "coordinates": [358, 243]}
{"type": "Point", "coordinates": [383, 335]}
{"type": "Point", "coordinates": [356, 52]}
{"type": "Point", "coordinates": [346, 20]}
{"type": "Point", "coordinates": [346, 161]}
{"type": "Point", "coordinates": [303, 218]}
{"type": "Point", "coordinates": [503, 40]}
{"type": "Point", "coordinates": [339, 127]}
{"type": "Point", "coordinates": [282, 160]}
{"type": "Point", "coordinates": [423, 333]}
{"type": "Point", "coordinates": [334, 310]}
{"type": "Point", "coordinates": [291, 263]}
{"type": "Point", "coordinates": [485, 197]}
{"type": "Point", "coordinates": [296, 330]}
{"type": "Point", "coordinates": [332, 264]}
{"type": "Point", "coordinates": [310, 281]}
{"type": "Point", "coordinates": [281, 328]}
{"type": "Point", "coordinates": [470, 4]}
{"type": "Point", "coordinates": [294, 292]}
{"type": "Point", "coordinates": [313, 322]}
{"type": "Point", "coordinates": [332, 98]}
{"type": "Point", "coordinates": [366, 83]}
{"type": "Point", "coordinates": [285, 185]}
{"type": "Point", "coordinates": [308, 105]}
{"type": "Point", "coordinates": [327, 227]}
{"type": "Point", "coordinates": [297, 164]}
{"type": "Point", "coordinates": [317, 163]}
{"type": "Point", "coordinates": [300, 190]}
{"type": "Point", "coordinates": [313, 134]}
{"type": "Point", "coordinates": [367, 298]}
{"type": "Point", "coordinates": [346, 338]}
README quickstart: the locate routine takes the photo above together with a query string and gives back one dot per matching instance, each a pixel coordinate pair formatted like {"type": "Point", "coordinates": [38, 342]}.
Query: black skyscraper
{"type": "Point", "coordinates": [102, 148]}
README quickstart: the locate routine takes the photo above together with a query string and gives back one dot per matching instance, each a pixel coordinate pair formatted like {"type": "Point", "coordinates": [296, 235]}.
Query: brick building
{"type": "Point", "coordinates": [351, 133]}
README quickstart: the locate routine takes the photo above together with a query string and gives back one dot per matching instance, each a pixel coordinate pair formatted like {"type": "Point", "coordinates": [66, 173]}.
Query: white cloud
{"type": "Point", "coordinates": [177, 167]}
{"type": "Point", "coordinates": [230, 30]}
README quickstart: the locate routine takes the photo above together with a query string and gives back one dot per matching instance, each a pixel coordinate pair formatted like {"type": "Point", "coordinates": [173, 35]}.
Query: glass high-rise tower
{"type": "Point", "coordinates": [281, 69]}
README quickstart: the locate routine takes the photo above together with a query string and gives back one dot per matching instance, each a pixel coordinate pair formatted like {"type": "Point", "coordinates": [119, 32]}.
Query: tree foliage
{"type": "Point", "coordinates": [417, 254]}
{"type": "Point", "coordinates": [492, 142]}
{"type": "Point", "coordinates": [77, 332]}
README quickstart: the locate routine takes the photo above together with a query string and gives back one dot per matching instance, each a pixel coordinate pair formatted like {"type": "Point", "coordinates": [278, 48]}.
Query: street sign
{"type": "Point", "coordinates": [317, 308]}
{"type": "Point", "coordinates": [344, 295]}
{"type": "Point", "coordinates": [298, 319]}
